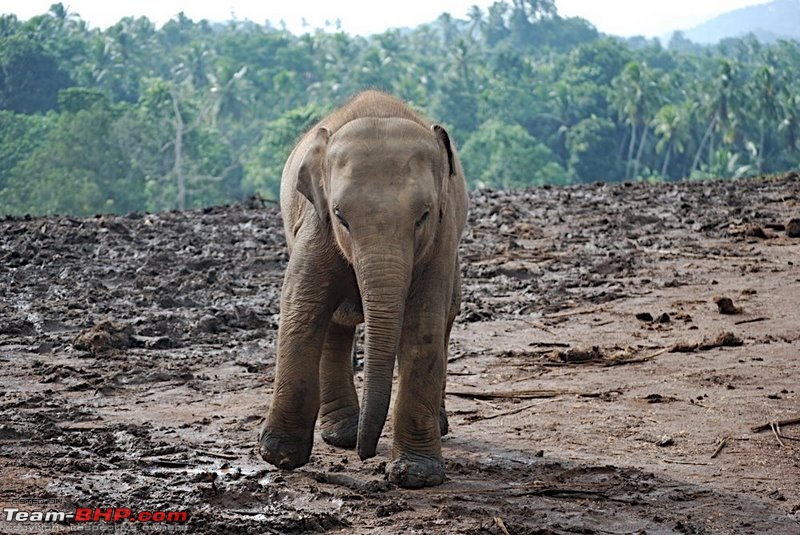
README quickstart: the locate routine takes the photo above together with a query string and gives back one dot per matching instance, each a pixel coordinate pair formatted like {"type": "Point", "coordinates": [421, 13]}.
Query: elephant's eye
{"type": "Point", "coordinates": [423, 218]}
{"type": "Point", "coordinates": [341, 219]}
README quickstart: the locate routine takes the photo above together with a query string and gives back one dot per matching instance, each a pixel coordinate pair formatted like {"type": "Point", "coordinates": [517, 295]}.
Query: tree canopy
{"type": "Point", "coordinates": [194, 113]}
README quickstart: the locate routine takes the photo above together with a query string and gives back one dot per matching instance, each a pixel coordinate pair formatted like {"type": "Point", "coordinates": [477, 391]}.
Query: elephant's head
{"type": "Point", "coordinates": [379, 186]}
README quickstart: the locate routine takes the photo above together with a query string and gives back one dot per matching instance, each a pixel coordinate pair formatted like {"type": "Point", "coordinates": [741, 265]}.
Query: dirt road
{"type": "Point", "coordinates": [594, 386]}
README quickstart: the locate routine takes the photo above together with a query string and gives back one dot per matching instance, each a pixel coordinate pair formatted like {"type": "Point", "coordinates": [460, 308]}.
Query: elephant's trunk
{"type": "Point", "coordinates": [383, 280]}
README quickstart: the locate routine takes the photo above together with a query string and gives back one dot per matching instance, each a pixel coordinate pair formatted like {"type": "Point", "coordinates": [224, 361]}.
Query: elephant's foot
{"type": "Point", "coordinates": [444, 427]}
{"type": "Point", "coordinates": [341, 433]}
{"type": "Point", "coordinates": [413, 471]}
{"type": "Point", "coordinates": [284, 452]}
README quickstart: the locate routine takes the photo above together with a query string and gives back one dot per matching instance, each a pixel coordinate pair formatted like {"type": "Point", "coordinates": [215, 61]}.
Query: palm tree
{"type": "Point", "coordinates": [719, 101]}
{"type": "Point", "coordinates": [626, 97]}
{"type": "Point", "coordinates": [477, 22]}
{"type": "Point", "coordinates": [671, 125]}
{"type": "Point", "coordinates": [66, 19]}
{"type": "Point", "coordinates": [766, 90]}
{"type": "Point", "coordinates": [635, 95]}
{"type": "Point", "coordinates": [120, 56]}
{"type": "Point", "coordinates": [232, 92]}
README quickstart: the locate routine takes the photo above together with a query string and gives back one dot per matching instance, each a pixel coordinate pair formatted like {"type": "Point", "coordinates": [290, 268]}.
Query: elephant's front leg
{"type": "Point", "coordinates": [339, 408]}
{"type": "Point", "coordinates": [308, 300]}
{"type": "Point", "coordinates": [417, 447]}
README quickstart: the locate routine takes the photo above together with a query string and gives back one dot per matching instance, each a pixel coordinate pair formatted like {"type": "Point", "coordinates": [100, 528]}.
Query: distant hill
{"type": "Point", "coordinates": [779, 19]}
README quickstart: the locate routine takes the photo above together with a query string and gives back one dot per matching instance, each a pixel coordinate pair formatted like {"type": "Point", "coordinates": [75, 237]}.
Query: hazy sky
{"type": "Point", "coordinates": [619, 17]}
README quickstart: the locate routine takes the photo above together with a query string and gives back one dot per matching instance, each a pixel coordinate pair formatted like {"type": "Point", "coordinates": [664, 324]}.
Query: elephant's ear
{"type": "Point", "coordinates": [448, 164]}
{"type": "Point", "coordinates": [311, 176]}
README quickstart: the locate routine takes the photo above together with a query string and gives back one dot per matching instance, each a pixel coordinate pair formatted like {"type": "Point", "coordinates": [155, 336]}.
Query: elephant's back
{"type": "Point", "coordinates": [372, 104]}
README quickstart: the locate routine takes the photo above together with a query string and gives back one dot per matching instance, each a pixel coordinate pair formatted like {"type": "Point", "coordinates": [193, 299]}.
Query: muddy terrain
{"type": "Point", "coordinates": [616, 348]}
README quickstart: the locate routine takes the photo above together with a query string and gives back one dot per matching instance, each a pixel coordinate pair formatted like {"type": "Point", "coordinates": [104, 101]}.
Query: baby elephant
{"type": "Point", "coordinates": [374, 203]}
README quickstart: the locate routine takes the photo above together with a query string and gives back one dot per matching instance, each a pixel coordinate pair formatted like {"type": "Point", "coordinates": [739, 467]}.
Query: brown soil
{"type": "Point", "coordinates": [594, 385]}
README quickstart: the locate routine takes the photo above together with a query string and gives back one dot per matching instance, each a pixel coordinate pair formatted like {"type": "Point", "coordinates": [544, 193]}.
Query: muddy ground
{"type": "Point", "coordinates": [594, 385]}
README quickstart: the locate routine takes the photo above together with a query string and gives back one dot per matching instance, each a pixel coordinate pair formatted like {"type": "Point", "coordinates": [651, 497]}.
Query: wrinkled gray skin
{"type": "Point", "coordinates": [374, 203]}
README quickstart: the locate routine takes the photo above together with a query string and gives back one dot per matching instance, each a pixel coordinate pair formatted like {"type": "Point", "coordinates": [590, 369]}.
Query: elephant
{"type": "Point", "coordinates": [374, 202]}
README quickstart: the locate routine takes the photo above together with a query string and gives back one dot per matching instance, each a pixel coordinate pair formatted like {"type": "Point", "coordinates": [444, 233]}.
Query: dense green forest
{"type": "Point", "coordinates": [193, 113]}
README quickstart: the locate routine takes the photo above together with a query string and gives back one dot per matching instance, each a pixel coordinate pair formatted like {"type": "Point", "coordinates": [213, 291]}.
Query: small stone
{"type": "Point", "coordinates": [644, 316]}
{"type": "Point", "coordinates": [777, 495]}
{"type": "Point", "coordinates": [793, 228]}
{"type": "Point", "coordinates": [726, 306]}
{"type": "Point", "coordinates": [665, 441]}
{"type": "Point", "coordinates": [580, 355]}
{"type": "Point", "coordinates": [726, 339]}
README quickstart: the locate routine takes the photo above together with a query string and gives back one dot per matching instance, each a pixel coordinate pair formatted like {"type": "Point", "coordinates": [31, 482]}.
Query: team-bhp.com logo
{"type": "Point", "coordinates": [95, 514]}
